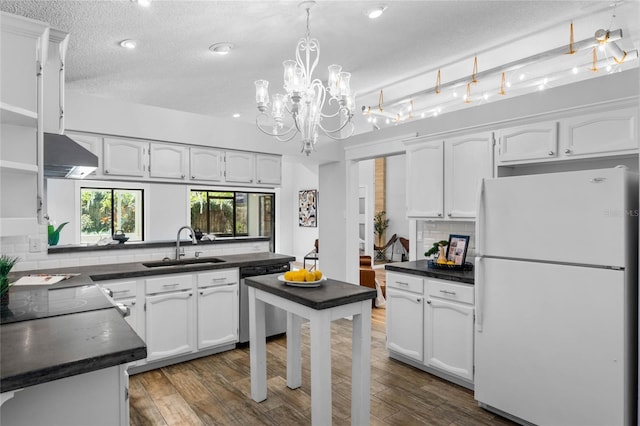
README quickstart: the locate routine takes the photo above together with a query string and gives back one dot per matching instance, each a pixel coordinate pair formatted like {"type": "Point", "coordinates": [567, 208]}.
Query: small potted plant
{"type": "Point", "coordinates": [380, 224]}
{"type": "Point", "coordinates": [438, 248]}
{"type": "Point", "coordinates": [6, 263]}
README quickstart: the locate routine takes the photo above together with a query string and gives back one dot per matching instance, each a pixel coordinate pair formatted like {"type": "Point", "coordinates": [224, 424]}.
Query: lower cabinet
{"type": "Point", "coordinates": [448, 326]}
{"type": "Point", "coordinates": [171, 316]}
{"type": "Point", "coordinates": [430, 325]}
{"type": "Point", "coordinates": [217, 308]}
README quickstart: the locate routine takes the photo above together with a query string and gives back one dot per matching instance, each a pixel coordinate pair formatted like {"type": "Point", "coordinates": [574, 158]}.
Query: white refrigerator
{"type": "Point", "coordinates": [556, 297]}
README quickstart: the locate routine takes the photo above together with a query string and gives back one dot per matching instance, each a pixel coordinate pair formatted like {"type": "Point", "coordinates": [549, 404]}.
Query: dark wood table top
{"type": "Point", "coordinates": [329, 294]}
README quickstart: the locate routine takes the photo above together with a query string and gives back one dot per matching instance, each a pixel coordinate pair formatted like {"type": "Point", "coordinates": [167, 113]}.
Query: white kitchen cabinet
{"type": "Point", "coordinates": [54, 81]}
{"type": "Point", "coordinates": [430, 325]}
{"type": "Point", "coordinates": [23, 46]}
{"type": "Point", "coordinates": [129, 293]}
{"type": "Point", "coordinates": [604, 133]}
{"type": "Point", "coordinates": [443, 176]}
{"type": "Point", "coordinates": [168, 161]}
{"type": "Point", "coordinates": [217, 308]}
{"type": "Point", "coordinates": [425, 177]}
{"type": "Point", "coordinates": [449, 319]}
{"type": "Point", "coordinates": [527, 143]}
{"type": "Point", "coordinates": [468, 160]}
{"type": "Point", "coordinates": [239, 167]}
{"type": "Point", "coordinates": [206, 164]}
{"type": "Point", "coordinates": [170, 316]}
{"type": "Point", "coordinates": [125, 157]}
{"type": "Point", "coordinates": [405, 315]}
{"type": "Point", "coordinates": [268, 169]}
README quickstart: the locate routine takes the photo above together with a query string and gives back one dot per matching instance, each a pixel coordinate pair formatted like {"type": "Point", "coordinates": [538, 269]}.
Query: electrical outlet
{"type": "Point", "coordinates": [34, 244]}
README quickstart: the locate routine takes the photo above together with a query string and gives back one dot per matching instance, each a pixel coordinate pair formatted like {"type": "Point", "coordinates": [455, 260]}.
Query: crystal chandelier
{"type": "Point", "coordinates": [305, 98]}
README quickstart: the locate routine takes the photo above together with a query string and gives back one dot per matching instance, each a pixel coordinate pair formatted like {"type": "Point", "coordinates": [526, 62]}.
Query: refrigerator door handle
{"type": "Point", "coordinates": [479, 218]}
{"type": "Point", "coordinates": [478, 287]}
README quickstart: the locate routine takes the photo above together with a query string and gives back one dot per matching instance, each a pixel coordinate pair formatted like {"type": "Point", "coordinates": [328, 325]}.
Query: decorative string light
{"type": "Point", "coordinates": [438, 83]}
{"type": "Point", "coordinates": [594, 66]}
{"type": "Point", "coordinates": [502, 83]}
{"type": "Point", "coordinates": [571, 50]}
{"type": "Point", "coordinates": [474, 80]}
{"type": "Point", "coordinates": [467, 99]}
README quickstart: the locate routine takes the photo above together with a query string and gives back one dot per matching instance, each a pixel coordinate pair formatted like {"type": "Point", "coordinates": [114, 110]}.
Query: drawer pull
{"type": "Point", "coordinates": [219, 279]}
{"type": "Point", "coordinates": [452, 293]}
{"type": "Point", "coordinates": [401, 283]}
{"type": "Point", "coordinates": [120, 291]}
{"type": "Point", "coordinates": [170, 285]}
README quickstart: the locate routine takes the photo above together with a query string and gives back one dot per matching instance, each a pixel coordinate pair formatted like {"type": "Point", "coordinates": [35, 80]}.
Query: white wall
{"type": "Point", "coordinates": [331, 220]}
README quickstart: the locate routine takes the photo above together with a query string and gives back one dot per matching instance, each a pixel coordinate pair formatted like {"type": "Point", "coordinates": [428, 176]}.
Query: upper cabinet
{"type": "Point", "coordinates": [168, 161]}
{"type": "Point", "coordinates": [605, 133]}
{"type": "Point", "coordinates": [206, 164]}
{"type": "Point", "coordinates": [91, 143]}
{"type": "Point", "coordinates": [23, 52]}
{"type": "Point", "coordinates": [268, 169]}
{"type": "Point", "coordinates": [240, 167]}
{"type": "Point", "coordinates": [54, 82]}
{"type": "Point", "coordinates": [125, 157]}
{"type": "Point", "coordinates": [443, 176]}
{"type": "Point", "coordinates": [593, 135]}
{"type": "Point", "coordinates": [528, 143]}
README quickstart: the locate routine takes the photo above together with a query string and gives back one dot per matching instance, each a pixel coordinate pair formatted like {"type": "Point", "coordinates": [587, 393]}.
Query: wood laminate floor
{"type": "Point", "coordinates": [215, 390]}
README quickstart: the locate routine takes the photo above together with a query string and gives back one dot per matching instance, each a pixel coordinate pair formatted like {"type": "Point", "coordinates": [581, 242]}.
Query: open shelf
{"type": "Point", "coordinates": [17, 116]}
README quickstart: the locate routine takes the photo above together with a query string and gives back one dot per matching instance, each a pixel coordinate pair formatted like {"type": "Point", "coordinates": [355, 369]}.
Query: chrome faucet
{"type": "Point", "coordinates": [193, 240]}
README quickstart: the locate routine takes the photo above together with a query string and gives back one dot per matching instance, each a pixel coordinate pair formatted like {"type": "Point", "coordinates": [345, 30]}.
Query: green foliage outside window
{"type": "Point", "coordinates": [105, 210]}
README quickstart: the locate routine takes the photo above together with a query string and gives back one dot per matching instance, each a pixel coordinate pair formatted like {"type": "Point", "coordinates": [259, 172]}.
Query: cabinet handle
{"type": "Point", "coordinates": [190, 294]}
{"type": "Point", "coordinates": [439, 214]}
{"type": "Point", "coordinates": [133, 303]}
{"type": "Point", "coordinates": [429, 302]}
{"type": "Point", "coordinates": [567, 151]}
{"type": "Point", "coordinates": [120, 291]}
{"type": "Point", "coordinates": [449, 214]}
{"type": "Point", "coordinates": [201, 293]}
{"type": "Point", "coordinates": [170, 285]}
{"type": "Point", "coordinates": [219, 279]}
{"type": "Point", "coordinates": [193, 177]}
{"type": "Point", "coordinates": [401, 283]}
{"type": "Point", "coordinates": [550, 153]}
{"type": "Point", "coordinates": [182, 176]}
{"type": "Point", "coordinates": [452, 293]}
{"type": "Point", "coordinates": [106, 171]}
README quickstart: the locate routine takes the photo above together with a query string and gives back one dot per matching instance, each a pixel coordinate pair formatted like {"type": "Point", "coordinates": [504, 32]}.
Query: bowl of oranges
{"type": "Point", "coordinates": [302, 278]}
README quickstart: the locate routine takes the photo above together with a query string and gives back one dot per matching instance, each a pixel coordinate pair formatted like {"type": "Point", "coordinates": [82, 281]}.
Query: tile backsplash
{"type": "Point", "coordinates": [430, 232]}
{"type": "Point", "coordinates": [19, 246]}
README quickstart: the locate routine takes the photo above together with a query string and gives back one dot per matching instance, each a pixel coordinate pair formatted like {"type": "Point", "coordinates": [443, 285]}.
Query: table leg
{"type": "Point", "coordinates": [294, 351]}
{"type": "Point", "coordinates": [320, 336]}
{"type": "Point", "coordinates": [361, 365]}
{"type": "Point", "coordinates": [257, 347]}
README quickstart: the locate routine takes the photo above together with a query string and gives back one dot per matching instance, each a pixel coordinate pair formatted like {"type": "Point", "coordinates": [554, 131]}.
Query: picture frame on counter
{"type": "Point", "coordinates": [457, 248]}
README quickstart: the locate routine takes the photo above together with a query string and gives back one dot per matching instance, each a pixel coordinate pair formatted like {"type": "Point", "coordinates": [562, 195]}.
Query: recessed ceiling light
{"type": "Point", "coordinates": [376, 12]}
{"type": "Point", "coordinates": [128, 44]}
{"type": "Point", "coordinates": [236, 115]}
{"type": "Point", "coordinates": [143, 3]}
{"type": "Point", "coordinates": [221, 48]}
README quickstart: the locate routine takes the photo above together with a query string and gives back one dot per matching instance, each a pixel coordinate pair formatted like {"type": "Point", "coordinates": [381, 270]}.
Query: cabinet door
{"type": "Point", "coordinates": [239, 166]}
{"type": "Point", "coordinates": [531, 142]}
{"type": "Point", "coordinates": [268, 169]}
{"type": "Point", "coordinates": [468, 160]}
{"type": "Point", "coordinates": [405, 323]}
{"type": "Point", "coordinates": [449, 337]}
{"type": "Point", "coordinates": [206, 164]}
{"type": "Point", "coordinates": [425, 180]}
{"type": "Point", "coordinates": [90, 143]}
{"type": "Point", "coordinates": [168, 161]}
{"type": "Point", "coordinates": [217, 315]}
{"type": "Point", "coordinates": [170, 324]}
{"type": "Point", "coordinates": [601, 133]}
{"type": "Point", "coordinates": [123, 157]}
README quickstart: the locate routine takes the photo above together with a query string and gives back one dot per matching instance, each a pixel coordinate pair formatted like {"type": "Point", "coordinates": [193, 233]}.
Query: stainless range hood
{"type": "Point", "coordinates": [63, 157]}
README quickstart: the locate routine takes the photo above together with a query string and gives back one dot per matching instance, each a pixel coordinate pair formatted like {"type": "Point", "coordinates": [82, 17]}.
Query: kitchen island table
{"type": "Point", "coordinates": [329, 301]}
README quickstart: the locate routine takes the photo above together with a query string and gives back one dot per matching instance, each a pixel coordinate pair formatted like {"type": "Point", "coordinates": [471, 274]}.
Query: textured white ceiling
{"type": "Point", "coordinates": [173, 68]}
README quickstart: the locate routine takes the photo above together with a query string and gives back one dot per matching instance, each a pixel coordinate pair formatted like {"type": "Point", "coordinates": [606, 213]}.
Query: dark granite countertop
{"type": "Point", "coordinates": [92, 273]}
{"type": "Point", "coordinates": [329, 294]}
{"type": "Point", "coordinates": [74, 248]}
{"type": "Point", "coordinates": [47, 349]}
{"type": "Point", "coordinates": [420, 267]}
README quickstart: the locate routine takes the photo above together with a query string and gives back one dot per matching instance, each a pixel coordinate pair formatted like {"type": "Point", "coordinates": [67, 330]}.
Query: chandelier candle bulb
{"type": "Point", "coordinates": [262, 94]}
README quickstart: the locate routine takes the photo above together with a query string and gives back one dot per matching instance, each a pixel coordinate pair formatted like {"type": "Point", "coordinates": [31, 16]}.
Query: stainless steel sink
{"type": "Point", "coordinates": [182, 262]}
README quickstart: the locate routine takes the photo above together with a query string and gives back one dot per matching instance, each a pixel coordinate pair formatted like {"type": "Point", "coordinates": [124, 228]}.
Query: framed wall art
{"type": "Point", "coordinates": [308, 208]}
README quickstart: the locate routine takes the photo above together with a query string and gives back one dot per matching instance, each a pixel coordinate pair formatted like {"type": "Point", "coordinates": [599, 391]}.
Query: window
{"type": "Point", "coordinates": [106, 210]}
{"type": "Point", "coordinates": [234, 214]}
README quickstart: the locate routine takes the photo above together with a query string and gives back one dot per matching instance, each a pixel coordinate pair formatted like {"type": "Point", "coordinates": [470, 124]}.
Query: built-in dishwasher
{"type": "Point", "coordinates": [275, 318]}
